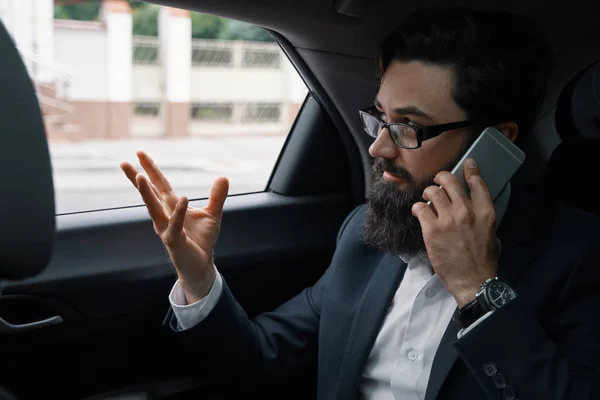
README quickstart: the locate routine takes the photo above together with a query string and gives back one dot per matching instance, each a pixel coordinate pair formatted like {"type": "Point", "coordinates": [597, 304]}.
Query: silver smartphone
{"type": "Point", "coordinates": [498, 160]}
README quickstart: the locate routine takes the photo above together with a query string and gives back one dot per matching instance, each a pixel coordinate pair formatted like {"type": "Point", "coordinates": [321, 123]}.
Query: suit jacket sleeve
{"type": "Point", "coordinates": [228, 343]}
{"type": "Point", "coordinates": [559, 362]}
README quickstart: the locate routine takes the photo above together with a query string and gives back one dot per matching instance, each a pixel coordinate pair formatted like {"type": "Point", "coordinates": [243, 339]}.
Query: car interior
{"type": "Point", "coordinates": [84, 294]}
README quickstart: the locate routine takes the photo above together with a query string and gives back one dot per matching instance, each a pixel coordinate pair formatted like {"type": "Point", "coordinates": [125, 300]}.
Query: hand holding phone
{"type": "Point", "coordinates": [498, 160]}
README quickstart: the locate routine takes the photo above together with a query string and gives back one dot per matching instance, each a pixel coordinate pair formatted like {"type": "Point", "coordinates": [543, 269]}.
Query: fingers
{"type": "Point", "coordinates": [480, 194]}
{"type": "Point", "coordinates": [154, 173]}
{"type": "Point", "coordinates": [173, 236]}
{"type": "Point", "coordinates": [218, 195]}
{"type": "Point", "coordinates": [424, 213]}
{"type": "Point", "coordinates": [130, 172]}
{"type": "Point", "coordinates": [451, 186]}
{"type": "Point", "coordinates": [153, 203]}
{"type": "Point", "coordinates": [438, 198]}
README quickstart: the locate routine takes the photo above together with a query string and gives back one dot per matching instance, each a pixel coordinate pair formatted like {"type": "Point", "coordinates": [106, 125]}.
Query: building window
{"type": "Point", "coordinates": [146, 109]}
{"type": "Point", "coordinates": [262, 112]}
{"type": "Point", "coordinates": [212, 112]}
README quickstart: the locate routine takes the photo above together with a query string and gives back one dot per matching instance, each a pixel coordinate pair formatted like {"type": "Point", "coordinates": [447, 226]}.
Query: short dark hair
{"type": "Point", "coordinates": [500, 61]}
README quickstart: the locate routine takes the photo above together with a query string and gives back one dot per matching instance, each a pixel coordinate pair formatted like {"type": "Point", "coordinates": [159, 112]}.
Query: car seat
{"type": "Point", "coordinates": [27, 193]}
{"type": "Point", "coordinates": [572, 168]}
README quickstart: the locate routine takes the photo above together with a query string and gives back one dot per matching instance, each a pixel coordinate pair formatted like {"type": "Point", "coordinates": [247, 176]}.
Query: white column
{"type": "Point", "coordinates": [237, 58]}
{"type": "Point", "coordinates": [18, 18]}
{"type": "Point", "coordinates": [30, 23]}
{"type": "Point", "coordinates": [20, 23]}
{"type": "Point", "coordinates": [44, 39]}
{"type": "Point", "coordinates": [7, 14]}
{"type": "Point", "coordinates": [175, 36]}
{"type": "Point", "coordinates": [117, 17]}
{"type": "Point", "coordinates": [175, 32]}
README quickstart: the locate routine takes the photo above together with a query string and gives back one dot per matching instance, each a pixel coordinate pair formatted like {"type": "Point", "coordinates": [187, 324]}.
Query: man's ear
{"type": "Point", "coordinates": [509, 129]}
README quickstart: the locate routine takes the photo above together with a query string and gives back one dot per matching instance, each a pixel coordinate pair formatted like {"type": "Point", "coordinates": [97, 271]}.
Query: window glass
{"type": "Point", "coordinates": [203, 95]}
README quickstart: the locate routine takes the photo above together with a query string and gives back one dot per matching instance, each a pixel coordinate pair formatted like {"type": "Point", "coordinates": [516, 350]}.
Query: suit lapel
{"type": "Point", "coordinates": [517, 233]}
{"type": "Point", "coordinates": [367, 322]}
{"type": "Point", "coordinates": [444, 359]}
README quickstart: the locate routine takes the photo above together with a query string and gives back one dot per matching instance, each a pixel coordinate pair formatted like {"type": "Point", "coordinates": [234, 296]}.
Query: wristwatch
{"type": "Point", "coordinates": [492, 294]}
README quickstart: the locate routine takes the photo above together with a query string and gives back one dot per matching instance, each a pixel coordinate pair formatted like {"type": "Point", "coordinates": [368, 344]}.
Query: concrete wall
{"type": "Point", "coordinates": [147, 81]}
{"type": "Point", "coordinates": [239, 85]}
{"type": "Point", "coordinates": [83, 47]}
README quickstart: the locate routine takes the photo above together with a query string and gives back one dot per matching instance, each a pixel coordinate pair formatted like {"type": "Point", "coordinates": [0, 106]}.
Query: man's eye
{"type": "Point", "coordinates": [410, 133]}
{"type": "Point", "coordinates": [381, 115]}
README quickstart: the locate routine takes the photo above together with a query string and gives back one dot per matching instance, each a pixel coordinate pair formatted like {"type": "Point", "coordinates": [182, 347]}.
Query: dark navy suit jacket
{"type": "Point", "coordinates": [545, 344]}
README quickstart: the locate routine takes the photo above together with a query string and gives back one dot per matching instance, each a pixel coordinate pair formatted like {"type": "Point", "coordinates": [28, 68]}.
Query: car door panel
{"type": "Point", "coordinates": [110, 276]}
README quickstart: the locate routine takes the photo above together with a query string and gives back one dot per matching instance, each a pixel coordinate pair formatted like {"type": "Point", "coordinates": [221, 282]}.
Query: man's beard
{"type": "Point", "coordinates": [389, 224]}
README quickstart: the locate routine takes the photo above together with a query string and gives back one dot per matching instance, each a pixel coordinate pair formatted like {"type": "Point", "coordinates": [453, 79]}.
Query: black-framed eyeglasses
{"type": "Point", "coordinates": [405, 135]}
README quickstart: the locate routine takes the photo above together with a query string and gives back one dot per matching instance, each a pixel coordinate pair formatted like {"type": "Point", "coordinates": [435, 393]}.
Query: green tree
{"type": "Point", "coordinates": [137, 4]}
{"type": "Point", "coordinates": [237, 30]}
{"type": "Point", "coordinates": [145, 20]}
{"type": "Point", "coordinates": [205, 26]}
{"type": "Point", "coordinates": [87, 11]}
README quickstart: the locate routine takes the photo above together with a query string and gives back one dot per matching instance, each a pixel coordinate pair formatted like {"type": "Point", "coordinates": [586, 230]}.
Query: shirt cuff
{"type": "Point", "coordinates": [463, 332]}
{"type": "Point", "coordinates": [188, 315]}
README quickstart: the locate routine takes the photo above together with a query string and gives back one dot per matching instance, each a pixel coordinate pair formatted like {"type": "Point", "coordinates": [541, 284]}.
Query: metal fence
{"type": "Point", "coordinates": [261, 57]}
{"type": "Point", "coordinates": [146, 50]}
{"type": "Point", "coordinates": [219, 112]}
{"type": "Point", "coordinates": [213, 53]}
{"type": "Point", "coordinates": [147, 109]}
{"type": "Point", "coordinates": [262, 112]}
{"type": "Point", "coordinates": [212, 112]}
{"type": "Point", "coordinates": [237, 112]}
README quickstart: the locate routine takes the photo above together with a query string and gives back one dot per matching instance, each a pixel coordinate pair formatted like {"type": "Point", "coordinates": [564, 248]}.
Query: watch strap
{"type": "Point", "coordinates": [470, 313]}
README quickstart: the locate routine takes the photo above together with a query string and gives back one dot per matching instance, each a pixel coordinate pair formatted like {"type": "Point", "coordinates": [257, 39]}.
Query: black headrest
{"type": "Point", "coordinates": [578, 109]}
{"type": "Point", "coordinates": [571, 173]}
{"type": "Point", "coordinates": [27, 218]}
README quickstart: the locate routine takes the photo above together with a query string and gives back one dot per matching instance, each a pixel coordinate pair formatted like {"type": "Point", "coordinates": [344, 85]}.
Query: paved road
{"type": "Point", "coordinates": [87, 174]}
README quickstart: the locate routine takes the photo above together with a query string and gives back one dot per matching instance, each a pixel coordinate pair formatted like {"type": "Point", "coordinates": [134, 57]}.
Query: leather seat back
{"type": "Point", "coordinates": [27, 215]}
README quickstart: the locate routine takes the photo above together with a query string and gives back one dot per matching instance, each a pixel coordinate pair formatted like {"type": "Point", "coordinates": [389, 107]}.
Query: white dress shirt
{"type": "Point", "coordinates": [400, 362]}
{"type": "Point", "coordinates": [401, 359]}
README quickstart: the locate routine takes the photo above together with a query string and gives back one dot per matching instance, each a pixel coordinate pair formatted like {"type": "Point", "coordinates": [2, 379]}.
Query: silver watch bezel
{"type": "Point", "coordinates": [484, 298]}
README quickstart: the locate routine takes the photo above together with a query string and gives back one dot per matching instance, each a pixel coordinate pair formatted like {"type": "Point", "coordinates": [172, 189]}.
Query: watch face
{"type": "Point", "coordinates": [499, 293]}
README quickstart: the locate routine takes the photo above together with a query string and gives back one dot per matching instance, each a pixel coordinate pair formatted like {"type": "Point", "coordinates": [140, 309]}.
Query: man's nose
{"type": "Point", "coordinates": [383, 146]}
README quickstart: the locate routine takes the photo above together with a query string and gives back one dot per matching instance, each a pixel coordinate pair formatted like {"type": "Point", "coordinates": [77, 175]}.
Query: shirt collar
{"type": "Point", "coordinates": [413, 261]}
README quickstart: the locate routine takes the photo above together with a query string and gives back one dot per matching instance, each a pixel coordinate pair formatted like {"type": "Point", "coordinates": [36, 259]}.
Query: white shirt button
{"type": "Point", "coordinates": [413, 355]}
{"type": "Point", "coordinates": [430, 292]}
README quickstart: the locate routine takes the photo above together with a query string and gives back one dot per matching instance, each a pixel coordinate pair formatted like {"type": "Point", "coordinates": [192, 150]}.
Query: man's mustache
{"type": "Point", "coordinates": [381, 164]}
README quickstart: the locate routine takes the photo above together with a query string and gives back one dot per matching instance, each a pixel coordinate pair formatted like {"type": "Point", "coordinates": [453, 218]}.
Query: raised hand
{"type": "Point", "coordinates": [189, 234]}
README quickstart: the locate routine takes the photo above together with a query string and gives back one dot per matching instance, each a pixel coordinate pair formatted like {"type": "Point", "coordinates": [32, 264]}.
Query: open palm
{"type": "Point", "coordinates": [189, 234]}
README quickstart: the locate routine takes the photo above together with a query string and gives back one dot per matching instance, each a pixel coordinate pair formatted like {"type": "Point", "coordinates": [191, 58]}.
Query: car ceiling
{"type": "Point", "coordinates": [317, 25]}
{"type": "Point", "coordinates": [339, 49]}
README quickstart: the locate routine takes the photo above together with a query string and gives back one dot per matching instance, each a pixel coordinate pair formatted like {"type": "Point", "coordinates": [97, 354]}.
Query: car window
{"type": "Point", "coordinates": [204, 96]}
